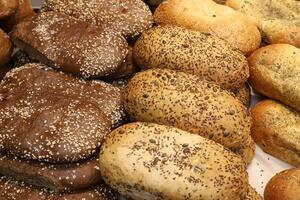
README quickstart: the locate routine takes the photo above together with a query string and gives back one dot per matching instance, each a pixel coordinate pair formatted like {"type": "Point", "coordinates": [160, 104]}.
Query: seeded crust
{"type": "Point", "coordinates": [129, 17]}
{"type": "Point", "coordinates": [253, 195]}
{"type": "Point", "coordinates": [23, 10]}
{"type": "Point", "coordinates": [275, 130]}
{"type": "Point", "coordinates": [56, 177]}
{"type": "Point", "coordinates": [284, 185]}
{"type": "Point", "coordinates": [192, 52]}
{"type": "Point", "coordinates": [243, 94]}
{"type": "Point", "coordinates": [278, 20]}
{"type": "Point", "coordinates": [70, 45]}
{"type": "Point", "coordinates": [13, 190]}
{"type": "Point", "coordinates": [274, 72]}
{"type": "Point", "coordinates": [167, 163]}
{"type": "Point", "coordinates": [247, 151]}
{"type": "Point", "coordinates": [209, 17]}
{"type": "Point", "coordinates": [56, 118]}
{"type": "Point", "coordinates": [184, 101]}
{"type": "Point", "coordinates": [5, 48]}
{"type": "Point", "coordinates": [7, 7]}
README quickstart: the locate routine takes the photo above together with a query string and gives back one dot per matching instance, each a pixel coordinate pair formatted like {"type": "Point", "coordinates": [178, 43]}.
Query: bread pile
{"type": "Point", "coordinates": [104, 98]}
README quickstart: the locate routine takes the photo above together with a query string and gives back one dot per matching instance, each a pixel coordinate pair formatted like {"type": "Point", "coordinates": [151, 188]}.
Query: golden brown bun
{"type": "Point", "coordinates": [253, 195]}
{"type": "Point", "coordinates": [151, 162]}
{"type": "Point", "coordinates": [5, 48]}
{"type": "Point", "coordinates": [278, 20]}
{"type": "Point", "coordinates": [204, 55]}
{"type": "Point", "coordinates": [24, 10]}
{"type": "Point", "coordinates": [284, 186]}
{"type": "Point", "coordinates": [274, 72]}
{"type": "Point", "coordinates": [243, 94]}
{"type": "Point", "coordinates": [275, 128]}
{"type": "Point", "coordinates": [210, 17]}
{"type": "Point", "coordinates": [187, 102]}
{"type": "Point", "coordinates": [8, 7]}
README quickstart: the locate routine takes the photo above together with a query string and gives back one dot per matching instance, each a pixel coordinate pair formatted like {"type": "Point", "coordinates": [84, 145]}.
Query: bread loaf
{"type": "Point", "coordinates": [55, 177]}
{"type": "Point", "coordinates": [189, 103]}
{"type": "Point", "coordinates": [275, 130]}
{"type": "Point", "coordinates": [5, 48]}
{"type": "Point", "coordinates": [129, 17]}
{"type": "Point", "coordinates": [7, 7]}
{"type": "Point", "coordinates": [209, 17]}
{"type": "Point", "coordinates": [57, 118]}
{"type": "Point", "coordinates": [284, 186]}
{"type": "Point", "coordinates": [24, 9]}
{"type": "Point", "coordinates": [274, 72]}
{"type": "Point", "coordinates": [151, 162]}
{"type": "Point", "coordinates": [71, 45]}
{"type": "Point", "coordinates": [278, 20]}
{"type": "Point", "coordinates": [204, 55]}
{"type": "Point", "coordinates": [13, 190]}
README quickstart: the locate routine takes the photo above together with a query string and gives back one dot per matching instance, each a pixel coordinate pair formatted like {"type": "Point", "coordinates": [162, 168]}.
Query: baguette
{"type": "Point", "coordinates": [274, 72]}
{"type": "Point", "coordinates": [275, 130]}
{"type": "Point", "coordinates": [152, 162]}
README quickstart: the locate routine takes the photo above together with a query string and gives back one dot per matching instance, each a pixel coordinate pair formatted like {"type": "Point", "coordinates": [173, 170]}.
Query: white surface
{"type": "Point", "coordinates": [263, 166]}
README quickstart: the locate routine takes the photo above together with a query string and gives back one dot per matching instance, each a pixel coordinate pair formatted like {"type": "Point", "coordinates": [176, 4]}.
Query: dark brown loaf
{"type": "Point", "coordinates": [7, 7]}
{"type": "Point", "coordinates": [56, 118]}
{"type": "Point", "coordinates": [71, 45]}
{"type": "Point", "coordinates": [23, 10]}
{"type": "Point", "coordinates": [284, 186]}
{"type": "Point", "coordinates": [12, 190]}
{"type": "Point", "coordinates": [5, 48]}
{"type": "Point", "coordinates": [130, 17]}
{"type": "Point", "coordinates": [56, 177]}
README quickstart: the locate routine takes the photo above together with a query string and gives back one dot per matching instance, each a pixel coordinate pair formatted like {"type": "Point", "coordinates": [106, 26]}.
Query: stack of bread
{"type": "Point", "coordinates": [104, 98]}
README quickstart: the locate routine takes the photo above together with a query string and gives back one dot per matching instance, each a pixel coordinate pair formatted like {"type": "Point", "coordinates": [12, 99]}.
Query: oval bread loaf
{"type": "Point", "coordinates": [8, 7]}
{"type": "Point", "coordinates": [192, 52]}
{"type": "Point", "coordinates": [274, 72]}
{"type": "Point", "coordinates": [5, 48]}
{"type": "Point", "coordinates": [189, 103]}
{"type": "Point", "coordinates": [151, 162]}
{"type": "Point", "coordinates": [284, 186]}
{"type": "Point", "coordinates": [209, 17]}
{"type": "Point", "coordinates": [275, 129]}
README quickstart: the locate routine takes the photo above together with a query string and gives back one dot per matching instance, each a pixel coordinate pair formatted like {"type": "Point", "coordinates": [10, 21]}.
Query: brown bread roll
{"type": "Point", "coordinates": [23, 10]}
{"type": "Point", "coordinates": [187, 102]}
{"type": "Point", "coordinates": [8, 7]}
{"type": "Point", "coordinates": [253, 195]}
{"type": "Point", "coordinates": [5, 48]}
{"type": "Point", "coordinates": [278, 20]}
{"type": "Point", "coordinates": [274, 72]}
{"type": "Point", "coordinates": [209, 17]}
{"type": "Point", "coordinates": [243, 94]}
{"type": "Point", "coordinates": [275, 130]}
{"type": "Point", "coordinates": [129, 17]}
{"type": "Point", "coordinates": [56, 177]}
{"type": "Point", "coordinates": [204, 55]}
{"type": "Point", "coordinates": [153, 162]}
{"type": "Point", "coordinates": [284, 186]}
{"type": "Point", "coordinates": [57, 118]}
{"type": "Point", "coordinates": [13, 190]}
{"type": "Point", "coordinates": [71, 45]}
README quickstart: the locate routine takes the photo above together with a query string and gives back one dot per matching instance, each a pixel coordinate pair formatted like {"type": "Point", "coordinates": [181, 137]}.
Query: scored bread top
{"type": "Point", "coordinates": [51, 117]}
{"type": "Point", "coordinates": [130, 17]}
{"type": "Point", "coordinates": [71, 45]}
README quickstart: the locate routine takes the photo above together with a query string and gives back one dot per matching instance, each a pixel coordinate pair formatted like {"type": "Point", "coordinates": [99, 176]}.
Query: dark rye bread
{"type": "Point", "coordinates": [13, 190]}
{"type": "Point", "coordinates": [56, 177]}
{"type": "Point", "coordinates": [129, 17]}
{"type": "Point", "coordinates": [51, 117]}
{"type": "Point", "coordinates": [71, 45]}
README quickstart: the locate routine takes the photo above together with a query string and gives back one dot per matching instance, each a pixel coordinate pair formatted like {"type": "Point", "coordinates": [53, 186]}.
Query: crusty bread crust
{"type": "Point", "coordinates": [284, 186]}
{"type": "Point", "coordinates": [243, 94]}
{"type": "Point", "coordinates": [274, 72]}
{"type": "Point", "coordinates": [207, 16]}
{"type": "Point", "coordinates": [167, 163]}
{"type": "Point", "coordinates": [253, 195]}
{"type": "Point", "coordinates": [275, 130]}
{"type": "Point", "coordinates": [8, 7]}
{"type": "Point", "coordinates": [5, 48]}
